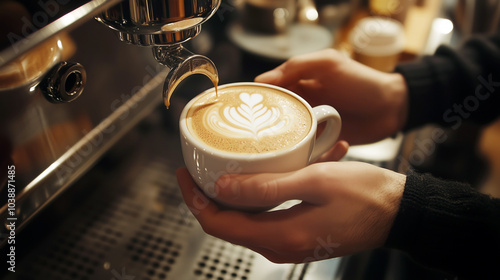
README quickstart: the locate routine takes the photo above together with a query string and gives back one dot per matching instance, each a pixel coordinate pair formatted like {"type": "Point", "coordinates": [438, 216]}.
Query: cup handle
{"type": "Point", "coordinates": [330, 134]}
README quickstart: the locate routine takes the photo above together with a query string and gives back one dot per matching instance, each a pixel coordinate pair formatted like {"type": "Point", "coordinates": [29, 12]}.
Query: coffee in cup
{"type": "Point", "coordinates": [248, 119]}
{"type": "Point", "coordinates": [252, 128]}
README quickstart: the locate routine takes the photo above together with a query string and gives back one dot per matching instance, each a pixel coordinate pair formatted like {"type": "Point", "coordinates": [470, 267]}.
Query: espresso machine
{"type": "Point", "coordinates": [89, 151]}
{"type": "Point", "coordinates": [40, 89]}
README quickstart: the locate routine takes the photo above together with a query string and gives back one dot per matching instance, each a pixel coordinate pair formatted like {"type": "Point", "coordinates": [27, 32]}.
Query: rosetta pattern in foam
{"type": "Point", "coordinates": [250, 119]}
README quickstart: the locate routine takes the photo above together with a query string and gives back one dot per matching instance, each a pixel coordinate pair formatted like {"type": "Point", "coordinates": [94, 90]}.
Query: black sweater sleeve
{"type": "Point", "coordinates": [453, 86]}
{"type": "Point", "coordinates": [442, 224]}
{"type": "Point", "coordinates": [449, 226]}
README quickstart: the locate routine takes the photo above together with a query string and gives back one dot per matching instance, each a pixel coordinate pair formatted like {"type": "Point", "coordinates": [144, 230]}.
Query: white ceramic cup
{"type": "Point", "coordinates": [206, 164]}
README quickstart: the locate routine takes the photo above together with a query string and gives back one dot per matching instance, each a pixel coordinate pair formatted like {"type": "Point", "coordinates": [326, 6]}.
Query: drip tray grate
{"type": "Point", "coordinates": [222, 261]}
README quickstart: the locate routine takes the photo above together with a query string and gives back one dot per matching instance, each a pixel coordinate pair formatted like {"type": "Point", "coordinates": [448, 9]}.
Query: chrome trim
{"type": "Point", "coordinates": [64, 23]}
{"type": "Point", "coordinates": [159, 39]}
{"type": "Point", "coordinates": [158, 23]}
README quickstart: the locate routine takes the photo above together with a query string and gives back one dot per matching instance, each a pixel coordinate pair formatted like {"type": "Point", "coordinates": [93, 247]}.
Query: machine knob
{"type": "Point", "coordinates": [64, 82]}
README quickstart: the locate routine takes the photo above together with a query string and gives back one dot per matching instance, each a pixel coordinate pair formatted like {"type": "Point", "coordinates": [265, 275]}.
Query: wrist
{"type": "Point", "coordinates": [394, 193]}
{"type": "Point", "coordinates": [396, 93]}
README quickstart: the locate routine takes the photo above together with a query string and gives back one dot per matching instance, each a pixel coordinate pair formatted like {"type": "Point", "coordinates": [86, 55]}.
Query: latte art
{"type": "Point", "coordinates": [249, 119]}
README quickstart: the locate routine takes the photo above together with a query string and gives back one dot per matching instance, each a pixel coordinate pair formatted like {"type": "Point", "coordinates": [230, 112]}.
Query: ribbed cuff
{"type": "Point", "coordinates": [428, 97]}
{"type": "Point", "coordinates": [404, 231]}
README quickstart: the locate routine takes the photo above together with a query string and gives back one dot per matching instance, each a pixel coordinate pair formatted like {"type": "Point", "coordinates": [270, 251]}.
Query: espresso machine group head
{"type": "Point", "coordinates": [165, 25]}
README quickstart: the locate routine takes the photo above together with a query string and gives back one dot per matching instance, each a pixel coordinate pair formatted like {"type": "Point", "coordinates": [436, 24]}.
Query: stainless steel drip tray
{"type": "Point", "coordinates": [126, 219]}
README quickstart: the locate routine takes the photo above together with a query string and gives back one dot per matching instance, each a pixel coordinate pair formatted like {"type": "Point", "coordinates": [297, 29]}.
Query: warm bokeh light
{"type": "Point", "coordinates": [443, 26]}
{"type": "Point", "coordinates": [312, 14]}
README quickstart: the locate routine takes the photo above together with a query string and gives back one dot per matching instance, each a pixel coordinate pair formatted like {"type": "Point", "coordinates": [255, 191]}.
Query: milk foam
{"type": "Point", "coordinates": [249, 119]}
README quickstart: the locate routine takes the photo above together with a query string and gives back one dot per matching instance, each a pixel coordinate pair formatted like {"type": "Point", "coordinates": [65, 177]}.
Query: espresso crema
{"type": "Point", "coordinates": [248, 119]}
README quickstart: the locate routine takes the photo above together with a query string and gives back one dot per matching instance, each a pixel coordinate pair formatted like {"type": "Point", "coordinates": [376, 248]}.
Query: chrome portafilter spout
{"type": "Point", "coordinates": [165, 25]}
{"type": "Point", "coordinates": [182, 63]}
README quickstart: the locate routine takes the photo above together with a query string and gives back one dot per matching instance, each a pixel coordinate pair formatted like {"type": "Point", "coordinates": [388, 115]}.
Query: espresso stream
{"type": "Point", "coordinates": [248, 119]}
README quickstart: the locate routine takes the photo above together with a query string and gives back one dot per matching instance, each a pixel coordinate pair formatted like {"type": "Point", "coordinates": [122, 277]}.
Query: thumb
{"type": "Point", "coordinates": [265, 190]}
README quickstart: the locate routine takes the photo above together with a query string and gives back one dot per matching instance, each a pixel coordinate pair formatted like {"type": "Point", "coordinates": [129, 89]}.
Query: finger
{"type": "Point", "coordinates": [251, 230]}
{"type": "Point", "coordinates": [270, 77]}
{"type": "Point", "coordinates": [300, 67]}
{"type": "Point", "coordinates": [280, 235]}
{"type": "Point", "coordinates": [266, 189]}
{"type": "Point", "coordinates": [281, 257]}
{"type": "Point", "coordinates": [336, 153]}
{"type": "Point", "coordinates": [194, 198]}
{"type": "Point", "coordinates": [269, 233]}
{"type": "Point", "coordinates": [215, 221]}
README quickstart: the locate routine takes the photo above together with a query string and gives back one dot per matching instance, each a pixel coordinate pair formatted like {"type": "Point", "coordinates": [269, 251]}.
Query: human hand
{"type": "Point", "coordinates": [373, 104]}
{"type": "Point", "coordinates": [346, 207]}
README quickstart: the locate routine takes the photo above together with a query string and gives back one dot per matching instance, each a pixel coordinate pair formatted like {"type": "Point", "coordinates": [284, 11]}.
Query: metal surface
{"type": "Point", "coordinates": [165, 24]}
{"type": "Point", "coordinates": [127, 220]}
{"type": "Point", "coordinates": [182, 63]}
{"type": "Point", "coordinates": [65, 23]}
{"type": "Point", "coordinates": [52, 145]}
{"type": "Point", "coordinates": [64, 82]}
{"type": "Point", "coordinates": [153, 22]}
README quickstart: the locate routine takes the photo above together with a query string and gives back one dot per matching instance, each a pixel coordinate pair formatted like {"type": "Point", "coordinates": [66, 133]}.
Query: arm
{"type": "Point", "coordinates": [455, 85]}
{"type": "Point", "coordinates": [349, 207]}
{"type": "Point", "coordinates": [446, 88]}
{"type": "Point", "coordinates": [449, 226]}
